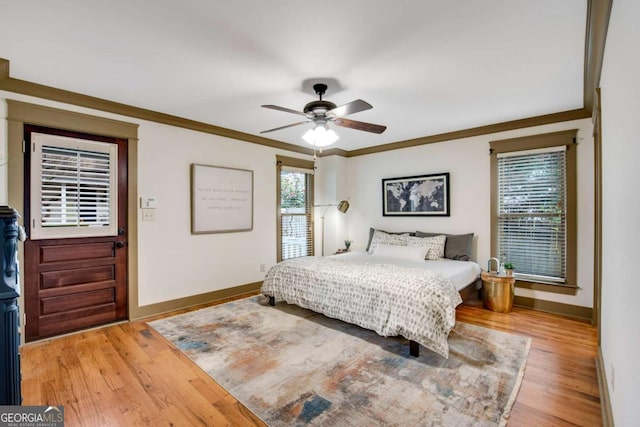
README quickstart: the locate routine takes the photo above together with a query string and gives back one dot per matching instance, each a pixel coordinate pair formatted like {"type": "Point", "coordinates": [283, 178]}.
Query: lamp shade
{"type": "Point", "coordinates": [343, 206]}
{"type": "Point", "coordinates": [320, 136]}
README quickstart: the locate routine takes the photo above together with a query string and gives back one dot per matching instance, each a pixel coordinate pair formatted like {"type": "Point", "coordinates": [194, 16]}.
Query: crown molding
{"type": "Point", "coordinates": [333, 152]}
{"type": "Point", "coordinates": [598, 14]}
{"type": "Point", "coordinates": [564, 116]}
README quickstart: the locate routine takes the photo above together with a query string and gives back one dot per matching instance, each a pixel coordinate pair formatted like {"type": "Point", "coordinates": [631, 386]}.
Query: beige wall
{"type": "Point", "coordinates": [173, 263]}
{"type": "Point", "coordinates": [331, 187]}
{"type": "Point", "coordinates": [621, 211]}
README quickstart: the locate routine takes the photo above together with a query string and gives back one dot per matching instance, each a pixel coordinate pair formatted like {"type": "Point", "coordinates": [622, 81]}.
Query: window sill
{"type": "Point", "coordinates": [546, 287]}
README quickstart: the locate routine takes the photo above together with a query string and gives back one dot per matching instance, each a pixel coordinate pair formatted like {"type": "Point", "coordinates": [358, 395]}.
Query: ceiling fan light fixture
{"type": "Point", "coordinates": [320, 136]}
{"type": "Point", "coordinates": [320, 112]}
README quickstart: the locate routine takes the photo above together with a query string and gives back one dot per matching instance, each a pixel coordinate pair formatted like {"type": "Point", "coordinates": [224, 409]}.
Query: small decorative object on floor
{"type": "Point", "coordinates": [347, 244]}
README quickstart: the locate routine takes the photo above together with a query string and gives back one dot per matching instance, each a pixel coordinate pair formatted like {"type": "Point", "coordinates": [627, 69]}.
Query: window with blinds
{"type": "Point", "coordinates": [73, 187]}
{"type": "Point", "coordinates": [532, 213]}
{"type": "Point", "coordinates": [295, 212]}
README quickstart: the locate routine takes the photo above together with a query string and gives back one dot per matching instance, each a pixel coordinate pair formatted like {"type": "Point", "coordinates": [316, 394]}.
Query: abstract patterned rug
{"type": "Point", "coordinates": [291, 366]}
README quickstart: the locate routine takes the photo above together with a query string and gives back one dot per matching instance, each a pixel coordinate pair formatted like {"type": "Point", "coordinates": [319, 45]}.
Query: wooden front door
{"type": "Point", "coordinates": [76, 279]}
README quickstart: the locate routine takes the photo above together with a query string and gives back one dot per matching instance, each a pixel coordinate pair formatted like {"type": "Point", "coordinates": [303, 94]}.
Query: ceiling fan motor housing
{"type": "Point", "coordinates": [318, 107]}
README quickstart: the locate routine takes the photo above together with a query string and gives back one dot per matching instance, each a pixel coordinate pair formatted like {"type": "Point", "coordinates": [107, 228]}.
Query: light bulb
{"type": "Point", "coordinates": [320, 136]}
{"type": "Point", "coordinates": [309, 136]}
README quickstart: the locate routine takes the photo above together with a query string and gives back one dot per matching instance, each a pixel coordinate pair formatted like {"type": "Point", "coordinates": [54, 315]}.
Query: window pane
{"type": "Point", "coordinates": [532, 214]}
{"type": "Point", "coordinates": [535, 245]}
{"type": "Point", "coordinates": [295, 214]}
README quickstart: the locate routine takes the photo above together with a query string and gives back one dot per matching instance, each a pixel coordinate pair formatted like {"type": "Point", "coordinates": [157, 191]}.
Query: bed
{"type": "Point", "coordinates": [394, 288]}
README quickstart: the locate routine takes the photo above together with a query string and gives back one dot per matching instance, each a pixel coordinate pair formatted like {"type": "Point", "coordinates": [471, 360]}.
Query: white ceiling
{"type": "Point", "coordinates": [426, 66]}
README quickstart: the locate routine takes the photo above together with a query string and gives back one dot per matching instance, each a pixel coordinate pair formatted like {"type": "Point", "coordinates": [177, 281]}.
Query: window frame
{"type": "Point", "coordinates": [292, 162]}
{"type": "Point", "coordinates": [533, 142]}
{"type": "Point", "coordinates": [37, 231]}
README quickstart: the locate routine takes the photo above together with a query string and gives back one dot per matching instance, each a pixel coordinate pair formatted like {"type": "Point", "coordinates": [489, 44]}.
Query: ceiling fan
{"type": "Point", "coordinates": [322, 112]}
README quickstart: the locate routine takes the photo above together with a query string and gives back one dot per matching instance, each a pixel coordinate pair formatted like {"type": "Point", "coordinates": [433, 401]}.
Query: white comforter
{"type": "Point", "coordinates": [389, 299]}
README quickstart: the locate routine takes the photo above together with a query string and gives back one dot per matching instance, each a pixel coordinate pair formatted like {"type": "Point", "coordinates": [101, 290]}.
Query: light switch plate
{"type": "Point", "coordinates": [148, 202]}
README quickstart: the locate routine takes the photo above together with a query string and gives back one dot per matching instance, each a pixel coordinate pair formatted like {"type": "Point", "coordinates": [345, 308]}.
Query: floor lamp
{"type": "Point", "coordinates": [343, 207]}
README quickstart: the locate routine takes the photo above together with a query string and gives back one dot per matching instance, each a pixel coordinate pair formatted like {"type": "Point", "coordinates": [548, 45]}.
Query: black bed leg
{"type": "Point", "coordinates": [272, 301]}
{"type": "Point", "coordinates": [414, 348]}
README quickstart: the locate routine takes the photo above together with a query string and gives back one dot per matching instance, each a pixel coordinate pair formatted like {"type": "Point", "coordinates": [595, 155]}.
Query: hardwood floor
{"type": "Point", "coordinates": [126, 374]}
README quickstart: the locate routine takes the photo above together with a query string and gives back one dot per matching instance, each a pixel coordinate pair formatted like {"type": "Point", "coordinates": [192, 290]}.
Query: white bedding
{"type": "Point", "coordinates": [460, 273]}
{"type": "Point", "coordinates": [389, 295]}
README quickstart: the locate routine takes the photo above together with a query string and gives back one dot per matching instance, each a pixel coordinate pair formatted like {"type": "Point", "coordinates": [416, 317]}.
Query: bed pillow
{"type": "Point", "coordinates": [386, 238]}
{"type": "Point", "coordinates": [457, 246]}
{"type": "Point", "coordinates": [414, 253]}
{"type": "Point", "coordinates": [373, 230]}
{"type": "Point", "coordinates": [435, 245]}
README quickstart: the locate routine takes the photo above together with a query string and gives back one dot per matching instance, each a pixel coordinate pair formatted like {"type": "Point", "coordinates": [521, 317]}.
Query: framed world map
{"type": "Point", "coordinates": [422, 195]}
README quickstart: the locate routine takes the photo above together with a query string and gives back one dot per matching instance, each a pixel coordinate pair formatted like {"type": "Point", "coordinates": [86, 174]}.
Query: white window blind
{"type": "Point", "coordinates": [296, 228]}
{"type": "Point", "coordinates": [532, 195]}
{"type": "Point", "coordinates": [73, 191]}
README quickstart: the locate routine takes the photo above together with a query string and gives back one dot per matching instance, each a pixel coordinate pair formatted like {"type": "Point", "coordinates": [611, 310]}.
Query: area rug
{"type": "Point", "coordinates": [291, 366]}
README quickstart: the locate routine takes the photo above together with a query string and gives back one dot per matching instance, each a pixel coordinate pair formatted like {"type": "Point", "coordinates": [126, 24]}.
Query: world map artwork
{"type": "Point", "coordinates": [419, 196]}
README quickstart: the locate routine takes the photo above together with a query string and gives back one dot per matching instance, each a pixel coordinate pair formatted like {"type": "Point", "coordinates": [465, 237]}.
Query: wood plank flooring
{"type": "Point", "coordinates": [128, 375]}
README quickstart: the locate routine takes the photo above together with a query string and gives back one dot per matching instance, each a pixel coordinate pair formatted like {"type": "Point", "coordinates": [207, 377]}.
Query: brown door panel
{"type": "Point", "coordinates": [76, 252]}
{"type": "Point", "coordinates": [73, 295]}
{"type": "Point", "coordinates": [71, 316]}
{"type": "Point", "coordinates": [61, 323]}
{"type": "Point", "coordinates": [77, 289]}
{"type": "Point", "coordinates": [60, 278]}
{"type": "Point", "coordinates": [76, 301]}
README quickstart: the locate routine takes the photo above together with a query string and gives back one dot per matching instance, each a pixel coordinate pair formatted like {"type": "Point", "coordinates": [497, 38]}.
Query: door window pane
{"type": "Point", "coordinates": [73, 187]}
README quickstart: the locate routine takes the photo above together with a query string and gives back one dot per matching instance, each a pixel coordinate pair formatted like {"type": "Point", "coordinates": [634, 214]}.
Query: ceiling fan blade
{"type": "Point", "coordinates": [354, 124]}
{"type": "Point", "coordinates": [286, 110]}
{"type": "Point", "coordinates": [350, 108]}
{"type": "Point", "coordinates": [286, 126]}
